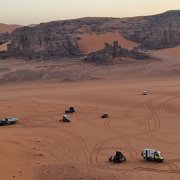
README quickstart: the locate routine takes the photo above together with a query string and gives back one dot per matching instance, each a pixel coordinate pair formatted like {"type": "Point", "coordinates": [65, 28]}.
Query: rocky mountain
{"type": "Point", "coordinates": [154, 32]}
{"type": "Point", "coordinates": [44, 41]}
{"type": "Point", "coordinates": [60, 38]}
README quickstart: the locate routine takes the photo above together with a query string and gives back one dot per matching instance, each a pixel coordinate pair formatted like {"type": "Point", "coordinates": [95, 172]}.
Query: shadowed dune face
{"type": "Point", "coordinates": [93, 42]}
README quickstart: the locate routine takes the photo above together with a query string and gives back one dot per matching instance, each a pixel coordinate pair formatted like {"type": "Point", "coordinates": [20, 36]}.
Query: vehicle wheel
{"type": "Point", "coordinates": [159, 160]}
{"type": "Point", "coordinates": [110, 159]}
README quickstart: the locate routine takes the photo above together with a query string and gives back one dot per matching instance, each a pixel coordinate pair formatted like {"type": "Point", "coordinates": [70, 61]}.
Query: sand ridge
{"type": "Point", "coordinates": [94, 42]}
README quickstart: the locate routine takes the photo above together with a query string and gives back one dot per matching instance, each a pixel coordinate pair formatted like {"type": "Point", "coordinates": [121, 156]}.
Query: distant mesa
{"type": "Point", "coordinates": [79, 37]}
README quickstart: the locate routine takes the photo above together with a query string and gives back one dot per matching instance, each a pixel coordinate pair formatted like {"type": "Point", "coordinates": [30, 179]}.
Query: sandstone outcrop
{"type": "Point", "coordinates": [112, 51]}
{"type": "Point", "coordinates": [43, 42]}
{"type": "Point", "coordinates": [154, 32]}
{"type": "Point", "coordinates": [4, 37]}
{"type": "Point", "coordinates": [60, 38]}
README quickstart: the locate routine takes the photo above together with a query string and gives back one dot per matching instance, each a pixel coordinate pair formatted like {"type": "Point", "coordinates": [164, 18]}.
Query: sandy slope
{"type": "Point", "coordinates": [8, 28]}
{"type": "Point", "coordinates": [3, 47]}
{"type": "Point", "coordinates": [170, 53]}
{"type": "Point", "coordinates": [53, 150]}
{"type": "Point", "coordinates": [94, 42]}
{"type": "Point", "coordinates": [40, 147]}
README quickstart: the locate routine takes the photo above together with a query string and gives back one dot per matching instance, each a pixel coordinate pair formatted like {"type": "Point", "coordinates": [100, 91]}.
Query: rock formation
{"type": "Point", "coordinates": [60, 38]}
{"type": "Point", "coordinates": [154, 32]}
{"type": "Point", "coordinates": [3, 55]}
{"type": "Point", "coordinates": [4, 37]}
{"type": "Point", "coordinates": [112, 51]}
{"type": "Point", "coordinates": [43, 42]}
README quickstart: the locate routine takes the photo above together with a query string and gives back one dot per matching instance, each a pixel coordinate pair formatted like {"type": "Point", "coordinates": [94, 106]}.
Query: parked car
{"type": "Point", "coordinates": [118, 158]}
{"type": "Point", "coordinates": [8, 121]}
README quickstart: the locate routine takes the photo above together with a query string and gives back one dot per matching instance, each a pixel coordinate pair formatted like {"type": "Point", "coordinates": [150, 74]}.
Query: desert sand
{"type": "Point", "coordinates": [8, 28]}
{"type": "Point", "coordinates": [94, 42]}
{"type": "Point", "coordinates": [170, 53]}
{"type": "Point", "coordinates": [3, 47]}
{"type": "Point", "coordinates": [40, 147]}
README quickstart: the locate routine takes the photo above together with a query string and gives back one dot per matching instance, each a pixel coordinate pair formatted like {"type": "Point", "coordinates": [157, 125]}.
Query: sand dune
{"type": "Point", "coordinates": [170, 53]}
{"type": "Point", "coordinates": [94, 42]}
{"type": "Point", "coordinates": [8, 28]}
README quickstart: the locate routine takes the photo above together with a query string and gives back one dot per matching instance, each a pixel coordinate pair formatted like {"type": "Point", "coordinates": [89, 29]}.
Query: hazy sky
{"type": "Point", "coordinates": [36, 11]}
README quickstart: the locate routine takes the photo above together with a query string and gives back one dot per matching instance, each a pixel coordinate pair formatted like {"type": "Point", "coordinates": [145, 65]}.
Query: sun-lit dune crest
{"type": "Point", "coordinates": [93, 42]}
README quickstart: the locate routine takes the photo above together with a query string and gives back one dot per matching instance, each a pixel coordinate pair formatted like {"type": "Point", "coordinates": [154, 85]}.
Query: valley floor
{"type": "Point", "coordinates": [40, 147]}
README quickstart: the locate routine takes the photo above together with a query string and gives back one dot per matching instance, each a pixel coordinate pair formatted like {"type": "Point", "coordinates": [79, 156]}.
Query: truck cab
{"type": "Point", "coordinates": [158, 156]}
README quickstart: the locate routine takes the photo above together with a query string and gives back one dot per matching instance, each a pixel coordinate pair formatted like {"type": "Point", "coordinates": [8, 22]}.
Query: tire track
{"type": "Point", "coordinates": [153, 116]}
{"type": "Point", "coordinates": [157, 170]}
{"type": "Point", "coordinates": [118, 135]}
{"type": "Point", "coordinates": [83, 145]}
{"type": "Point", "coordinates": [150, 130]}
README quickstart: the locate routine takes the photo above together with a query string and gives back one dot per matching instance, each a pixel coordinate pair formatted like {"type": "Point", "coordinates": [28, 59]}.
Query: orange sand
{"type": "Point", "coordinates": [170, 53]}
{"type": "Point", "coordinates": [8, 28]}
{"type": "Point", "coordinates": [40, 147]}
{"type": "Point", "coordinates": [94, 42]}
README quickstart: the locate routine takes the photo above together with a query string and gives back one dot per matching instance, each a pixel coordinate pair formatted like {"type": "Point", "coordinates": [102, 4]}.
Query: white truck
{"type": "Point", "coordinates": [144, 93]}
{"type": "Point", "coordinates": [152, 155]}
